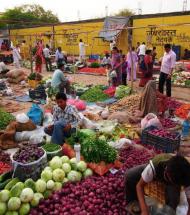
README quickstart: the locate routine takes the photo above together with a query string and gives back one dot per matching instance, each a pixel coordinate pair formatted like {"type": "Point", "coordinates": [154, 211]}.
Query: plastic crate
{"type": "Point", "coordinates": [167, 145]}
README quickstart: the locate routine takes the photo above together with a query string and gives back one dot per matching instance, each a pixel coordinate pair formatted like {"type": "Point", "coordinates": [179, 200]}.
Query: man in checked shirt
{"type": "Point", "coordinates": [66, 120]}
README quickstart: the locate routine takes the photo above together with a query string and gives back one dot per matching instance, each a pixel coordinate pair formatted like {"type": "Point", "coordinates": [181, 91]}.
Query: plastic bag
{"type": "Point", "coordinates": [22, 118]}
{"type": "Point", "coordinates": [48, 119]}
{"type": "Point", "coordinates": [105, 113]}
{"type": "Point", "coordinates": [120, 116]}
{"type": "Point", "coordinates": [88, 123]}
{"type": "Point", "coordinates": [150, 120]}
{"type": "Point", "coordinates": [79, 104]}
{"type": "Point", "coordinates": [35, 114]}
{"type": "Point", "coordinates": [120, 143]}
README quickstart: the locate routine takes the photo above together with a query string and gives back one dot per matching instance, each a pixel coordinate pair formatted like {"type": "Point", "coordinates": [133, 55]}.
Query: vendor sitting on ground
{"type": "Point", "coordinates": [66, 120]}
{"type": "Point", "coordinates": [59, 80]}
{"type": "Point", "coordinates": [174, 172]}
{"type": "Point", "coordinates": [151, 101]}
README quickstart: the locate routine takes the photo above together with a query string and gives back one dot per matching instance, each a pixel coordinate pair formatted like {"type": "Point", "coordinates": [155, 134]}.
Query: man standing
{"type": "Point", "coordinates": [142, 51]}
{"type": "Point", "coordinates": [66, 120]}
{"type": "Point", "coordinates": [16, 56]}
{"type": "Point", "coordinates": [59, 56]}
{"type": "Point", "coordinates": [167, 66]}
{"type": "Point", "coordinates": [60, 81]}
{"type": "Point", "coordinates": [46, 53]}
{"type": "Point", "coordinates": [82, 51]}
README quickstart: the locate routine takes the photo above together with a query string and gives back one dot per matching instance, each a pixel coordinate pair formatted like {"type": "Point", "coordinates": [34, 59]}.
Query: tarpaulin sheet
{"type": "Point", "coordinates": [113, 26]}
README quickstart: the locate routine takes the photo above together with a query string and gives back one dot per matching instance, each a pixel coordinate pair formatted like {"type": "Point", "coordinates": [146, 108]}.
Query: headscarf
{"type": "Point", "coordinates": [148, 101]}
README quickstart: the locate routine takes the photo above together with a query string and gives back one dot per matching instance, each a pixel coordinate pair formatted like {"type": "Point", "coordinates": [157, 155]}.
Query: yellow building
{"type": "Point", "coordinates": [177, 33]}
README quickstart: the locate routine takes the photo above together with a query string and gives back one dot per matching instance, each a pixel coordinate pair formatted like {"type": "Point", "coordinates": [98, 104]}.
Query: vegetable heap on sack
{"type": "Point", "coordinates": [94, 94]}
{"type": "Point", "coordinates": [93, 149]}
{"type": "Point", "coordinates": [122, 91]}
{"type": "Point", "coordinates": [5, 119]}
{"type": "Point", "coordinates": [19, 197]}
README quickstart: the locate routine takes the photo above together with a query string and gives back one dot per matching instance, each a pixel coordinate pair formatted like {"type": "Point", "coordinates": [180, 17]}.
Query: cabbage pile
{"type": "Point", "coordinates": [18, 197]}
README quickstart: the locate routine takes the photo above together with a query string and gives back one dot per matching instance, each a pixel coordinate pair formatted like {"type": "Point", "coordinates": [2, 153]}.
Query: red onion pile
{"type": "Point", "coordinates": [168, 123]}
{"type": "Point", "coordinates": [163, 133]}
{"type": "Point", "coordinates": [173, 104]}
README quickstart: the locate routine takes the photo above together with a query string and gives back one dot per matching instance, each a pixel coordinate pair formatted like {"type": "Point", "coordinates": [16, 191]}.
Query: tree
{"type": "Point", "coordinates": [27, 16]}
{"type": "Point", "coordinates": [124, 12]}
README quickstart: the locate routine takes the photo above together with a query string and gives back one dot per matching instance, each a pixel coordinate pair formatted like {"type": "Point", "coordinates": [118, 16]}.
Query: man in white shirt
{"type": "Point", "coordinates": [82, 51]}
{"type": "Point", "coordinates": [16, 56]}
{"type": "Point", "coordinates": [167, 67]}
{"type": "Point", "coordinates": [46, 53]}
{"type": "Point", "coordinates": [142, 51]}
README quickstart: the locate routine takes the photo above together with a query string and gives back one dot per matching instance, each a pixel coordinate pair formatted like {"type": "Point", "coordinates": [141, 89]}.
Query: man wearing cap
{"type": "Point", "coordinates": [59, 80]}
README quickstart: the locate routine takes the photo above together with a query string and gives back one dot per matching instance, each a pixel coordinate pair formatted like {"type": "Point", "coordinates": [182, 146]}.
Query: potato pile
{"type": "Point", "coordinates": [129, 104]}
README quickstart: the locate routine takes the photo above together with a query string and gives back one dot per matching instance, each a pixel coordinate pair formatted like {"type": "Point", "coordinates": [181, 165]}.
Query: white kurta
{"type": "Point", "coordinates": [16, 58]}
{"type": "Point", "coordinates": [82, 52]}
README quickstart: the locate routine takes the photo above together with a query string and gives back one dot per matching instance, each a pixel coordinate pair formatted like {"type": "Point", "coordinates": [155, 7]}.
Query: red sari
{"type": "Point", "coordinates": [39, 58]}
{"type": "Point", "coordinates": [146, 75]}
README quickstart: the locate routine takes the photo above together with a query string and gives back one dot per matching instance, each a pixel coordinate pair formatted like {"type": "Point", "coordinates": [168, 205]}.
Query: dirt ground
{"type": "Point", "coordinates": [12, 106]}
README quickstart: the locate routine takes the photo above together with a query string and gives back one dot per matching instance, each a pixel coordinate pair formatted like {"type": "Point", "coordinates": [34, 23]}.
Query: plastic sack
{"type": "Point", "coordinates": [120, 143]}
{"type": "Point", "coordinates": [120, 116]}
{"type": "Point", "coordinates": [113, 74]}
{"type": "Point", "coordinates": [48, 119]}
{"type": "Point", "coordinates": [79, 104]}
{"type": "Point", "coordinates": [35, 114]}
{"type": "Point", "coordinates": [106, 126]}
{"type": "Point", "coordinates": [110, 91]}
{"type": "Point", "coordinates": [22, 118]}
{"type": "Point", "coordinates": [88, 124]}
{"type": "Point", "coordinates": [150, 120]}
{"type": "Point", "coordinates": [28, 135]}
{"type": "Point", "coordinates": [30, 170]}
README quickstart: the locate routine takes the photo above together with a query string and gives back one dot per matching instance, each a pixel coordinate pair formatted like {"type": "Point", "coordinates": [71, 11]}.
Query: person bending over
{"type": "Point", "coordinates": [66, 120]}
{"type": "Point", "coordinates": [173, 171]}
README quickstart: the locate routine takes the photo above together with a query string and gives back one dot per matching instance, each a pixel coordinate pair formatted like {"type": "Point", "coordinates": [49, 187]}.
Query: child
{"type": "Point", "coordinates": [108, 72]}
{"type": "Point", "coordinates": [124, 70]}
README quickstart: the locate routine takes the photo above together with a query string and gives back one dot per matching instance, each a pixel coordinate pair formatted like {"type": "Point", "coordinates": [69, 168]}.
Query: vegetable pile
{"type": "Point", "coordinates": [28, 153]}
{"type": "Point", "coordinates": [94, 94]}
{"type": "Point", "coordinates": [5, 119]}
{"type": "Point", "coordinates": [183, 111]}
{"type": "Point", "coordinates": [95, 195]}
{"type": "Point", "coordinates": [93, 148]}
{"type": "Point", "coordinates": [122, 91]}
{"type": "Point", "coordinates": [130, 104]}
{"type": "Point", "coordinates": [18, 197]}
{"type": "Point", "coordinates": [4, 167]}
{"type": "Point", "coordinates": [4, 157]}
{"type": "Point", "coordinates": [50, 147]}
{"type": "Point", "coordinates": [168, 123]}
{"type": "Point", "coordinates": [173, 104]}
{"type": "Point", "coordinates": [164, 133]}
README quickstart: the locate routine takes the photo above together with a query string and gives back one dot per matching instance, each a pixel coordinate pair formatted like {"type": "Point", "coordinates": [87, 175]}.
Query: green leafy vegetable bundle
{"type": "Point", "coordinates": [5, 119]}
{"type": "Point", "coordinates": [93, 148]}
{"type": "Point", "coordinates": [94, 94]}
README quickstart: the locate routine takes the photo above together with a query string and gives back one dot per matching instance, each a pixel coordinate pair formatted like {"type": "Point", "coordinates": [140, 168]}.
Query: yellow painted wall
{"type": "Point", "coordinates": [67, 36]}
{"type": "Point", "coordinates": [178, 35]}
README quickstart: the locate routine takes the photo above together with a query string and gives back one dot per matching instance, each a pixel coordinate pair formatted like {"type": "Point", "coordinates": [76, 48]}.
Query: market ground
{"type": "Point", "coordinates": [12, 106]}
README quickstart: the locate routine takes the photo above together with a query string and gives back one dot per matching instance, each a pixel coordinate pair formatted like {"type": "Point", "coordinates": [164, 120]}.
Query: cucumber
{"type": "Point", "coordinates": [11, 183]}
{"type": "Point", "coordinates": [3, 184]}
{"type": "Point", "coordinates": [6, 176]}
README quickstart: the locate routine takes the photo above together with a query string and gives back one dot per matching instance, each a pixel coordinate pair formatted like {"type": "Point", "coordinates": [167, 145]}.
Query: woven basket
{"type": "Point", "coordinates": [156, 190]}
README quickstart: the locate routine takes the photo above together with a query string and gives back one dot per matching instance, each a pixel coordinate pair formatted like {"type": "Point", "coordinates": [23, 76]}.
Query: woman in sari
{"type": "Point", "coordinates": [116, 64]}
{"type": "Point", "coordinates": [146, 68]}
{"type": "Point", "coordinates": [151, 101]}
{"type": "Point", "coordinates": [39, 57]}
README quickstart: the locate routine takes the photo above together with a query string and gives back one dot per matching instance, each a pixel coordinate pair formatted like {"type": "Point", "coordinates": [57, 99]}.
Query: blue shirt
{"type": "Point", "coordinates": [58, 78]}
